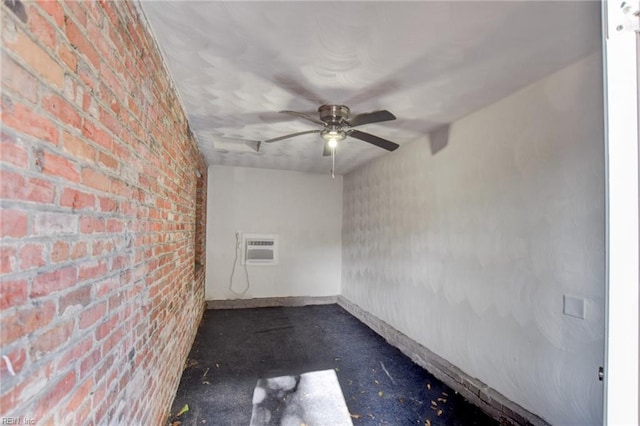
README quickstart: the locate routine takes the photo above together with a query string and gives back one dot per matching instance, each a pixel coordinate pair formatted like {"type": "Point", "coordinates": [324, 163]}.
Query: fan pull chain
{"type": "Point", "coordinates": [333, 163]}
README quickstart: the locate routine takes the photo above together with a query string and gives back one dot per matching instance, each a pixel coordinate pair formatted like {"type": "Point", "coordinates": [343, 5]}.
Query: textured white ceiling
{"type": "Point", "coordinates": [236, 64]}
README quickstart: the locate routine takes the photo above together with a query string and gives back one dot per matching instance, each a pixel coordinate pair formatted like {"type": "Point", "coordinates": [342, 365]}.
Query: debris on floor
{"type": "Point", "coordinates": [381, 386]}
{"type": "Point", "coordinates": [183, 410]}
{"type": "Point", "coordinates": [174, 419]}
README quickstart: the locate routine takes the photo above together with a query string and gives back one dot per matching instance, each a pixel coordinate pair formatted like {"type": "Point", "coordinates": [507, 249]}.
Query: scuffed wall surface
{"type": "Point", "coordinates": [100, 296]}
{"type": "Point", "coordinates": [469, 250]}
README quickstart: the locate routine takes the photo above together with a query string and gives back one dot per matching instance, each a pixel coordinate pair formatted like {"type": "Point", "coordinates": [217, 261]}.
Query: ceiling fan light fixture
{"type": "Point", "coordinates": [333, 142]}
{"type": "Point", "coordinates": [333, 134]}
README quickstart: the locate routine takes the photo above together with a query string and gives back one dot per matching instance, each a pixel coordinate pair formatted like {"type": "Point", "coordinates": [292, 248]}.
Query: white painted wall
{"type": "Point", "coordinates": [470, 251]}
{"type": "Point", "coordinates": [305, 210]}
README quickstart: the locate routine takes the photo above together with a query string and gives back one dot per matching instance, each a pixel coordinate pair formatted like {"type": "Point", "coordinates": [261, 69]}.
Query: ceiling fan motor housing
{"type": "Point", "coordinates": [334, 114]}
{"type": "Point", "coordinates": [335, 118]}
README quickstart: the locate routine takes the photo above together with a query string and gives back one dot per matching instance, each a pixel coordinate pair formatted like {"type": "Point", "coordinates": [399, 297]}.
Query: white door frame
{"type": "Point", "coordinates": [621, 117]}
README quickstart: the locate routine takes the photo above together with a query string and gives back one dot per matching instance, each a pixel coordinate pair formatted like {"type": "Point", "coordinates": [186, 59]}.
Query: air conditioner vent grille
{"type": "Point", "coordinates": [260, 249]}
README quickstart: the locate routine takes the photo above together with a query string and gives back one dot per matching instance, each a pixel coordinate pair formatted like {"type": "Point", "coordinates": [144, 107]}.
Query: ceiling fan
{"type": "Point", "coordinates": [338, 123]}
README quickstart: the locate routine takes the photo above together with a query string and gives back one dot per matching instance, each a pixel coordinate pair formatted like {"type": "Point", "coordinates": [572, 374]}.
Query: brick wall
{"type": "Point", "coordinates": [101, 294]}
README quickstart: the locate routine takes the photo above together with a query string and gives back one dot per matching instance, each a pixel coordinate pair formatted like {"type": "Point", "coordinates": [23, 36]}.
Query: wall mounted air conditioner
{"type": "Point", "coordinates": [259, 249]}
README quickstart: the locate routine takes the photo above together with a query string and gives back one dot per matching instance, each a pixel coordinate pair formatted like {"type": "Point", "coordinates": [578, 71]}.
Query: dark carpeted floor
{"type": "Point", "coordinates": [234, 348]}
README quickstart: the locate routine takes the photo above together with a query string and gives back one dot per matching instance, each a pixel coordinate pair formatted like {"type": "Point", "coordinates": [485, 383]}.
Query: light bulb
{"type": "Point", "coordinates": [332, 143]}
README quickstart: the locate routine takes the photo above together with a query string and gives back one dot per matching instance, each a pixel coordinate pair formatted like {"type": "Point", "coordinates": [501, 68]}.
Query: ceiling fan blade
{"type": "Point", "coordinates": [292, 135]}
{"type": "Point", "coordinates": [305, 116]}
{"type": "Point", "coordinates": [371, 117]}
{"type": "Point", "coordinates": [375, 140]}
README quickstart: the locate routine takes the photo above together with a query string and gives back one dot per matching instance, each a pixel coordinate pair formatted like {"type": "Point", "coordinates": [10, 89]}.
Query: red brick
{"type": "Point", "coordinates": [98, 394]}
{"type": "Point", "coordinates": [77, 199]}
{"type": "Point", "coordinates": [106, 287]}
{"type": "Point", "coordinates": [18, 79]}
{"type": "Point", "coordinates": [8, 259]}
{"type": "Point", "coordinates": [77, 147]}
{"type": "Point", "coordinates": [123, 153]}
{"type": "Point", "coordinates": [68, 56]}
{"type": "Point", "coordinates": [116, 94]}
{"type": "Point", "coordinates": [107, 161]}
{"type": "Point", "coordinates": [101, 41]}
{"type": "Point", "coordinates": [95, 179]}
{"type": "Point", "coordinates": [120, 188]}
{"type": "Point", "coordinates": [73, 353]}
{"type": "Point", "coordinates": [51, 339]}
{"type": "Point", "coordinates": [49, 282]}
{"type": "Point", "coordinates": [31, 256]}
{"type": "Point", "coordinates": [82, 394]}
{"type": "Point", "coordinates": [81, 43]}
{"type": "Point", "coordinates": [129, 209]}
{"type": "Point", "coordinates": [82, 413]}
{"type": "Point", "coordinates": [14, 154]}
{"type": "Point", "coordinates": [97, 135]}
{"type": "Point", "coordinates": [78, 297]}
{"type": "Point", "coordinates": [24, 119]}
{"type": "Point", "coordinates": [110, 122]}
{"type": "Point", "coordinates": [61, 389]}
{"type": "Point", "coordinates": [25, 321]}
{"type": "Point", "coordinates": [119, 262]}
{"type": "Point", "coordinates": [16, 187]}
{"type": "Point", "coordinates": [105, 328]}
{"type": "Point", "coordinates": [112, 81]}
{"type": "Point", "coordinates": [37, 59]}
{"type": "Point", "coordinates": [61, 167]}
{"type": "Point", "coordinates": [12, 293]}
{"type": "Point", "coordinates": [107, 204]}
{"type": "Point", "coordinates": [95, 11]}
{"type": "Point", "coordinates": [53, 9]}
{"type": "Point", "coordinates": [59, 251]}
{"type": "Point", "coordinates": [79, 250]}
{"type": "Point", "coordinates": [115, 301]}
{"type": "Point", "coordinates": [112, 341]}
{"type": "Point", "coordinates": [92, 315]}
{"type": "Point", "coordinates": [108, 7]}
{"type": "Point", "coordinates": [92, 270]}
{"type": "Point", "coordinates": [133, 33]}
{"type": "Point", "coordinates": [41, 28]}
{"type": "Point", "coordinates": [63, 110]}
{"type": "Point", "coordinates": [91, 224]}
{"type": "Point", "coordinates": [90, 362]}
{"type": "Point", "coordinates": [77, 11]}
{"type": "Point", "coordinates": [13, 223]}
{"type": "Point", "coordinates": [115, 226]}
